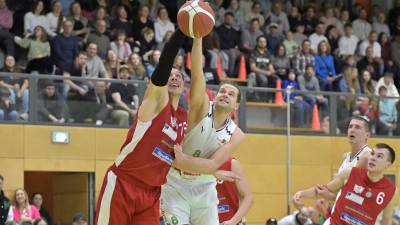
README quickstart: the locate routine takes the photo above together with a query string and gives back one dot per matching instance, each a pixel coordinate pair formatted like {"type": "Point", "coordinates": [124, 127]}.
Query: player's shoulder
{"type": "Point", "coordinates": [238, 135]}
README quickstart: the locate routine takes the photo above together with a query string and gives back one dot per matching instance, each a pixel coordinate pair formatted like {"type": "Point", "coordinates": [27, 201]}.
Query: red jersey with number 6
{"type": "Point", "coordinates": [227, 195]}
{"type": "Point", "coordinates": [361, 201]}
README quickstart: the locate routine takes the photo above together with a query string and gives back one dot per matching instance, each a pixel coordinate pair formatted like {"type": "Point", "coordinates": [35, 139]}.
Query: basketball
{"type": "Point", "coordinates": [196, 19]}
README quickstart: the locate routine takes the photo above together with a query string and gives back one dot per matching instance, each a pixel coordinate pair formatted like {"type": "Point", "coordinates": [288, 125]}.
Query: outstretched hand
{"type": "Point", "coordinates": [296, 200]}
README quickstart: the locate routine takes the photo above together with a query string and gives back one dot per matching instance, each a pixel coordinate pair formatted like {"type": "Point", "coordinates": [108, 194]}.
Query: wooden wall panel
{"type": "Point", "coordinates": [310, 150]}
{"type": "Point", "coordinates": [266, 206]}
{"type": "Point", "coordinates": [109, 142]}
{"type": "Point", "coordinates": [14, 148]}
{"type": "Point", "coordinates": [12, 169]}
{"type": "Point", "coordinates": [304, 177]}
{"type": "Point", "coordinates": [101, 169]}
{"type": "Point", "coordinates": [266, 178]}
{"type": "Point", "coordinates": [60, 165]}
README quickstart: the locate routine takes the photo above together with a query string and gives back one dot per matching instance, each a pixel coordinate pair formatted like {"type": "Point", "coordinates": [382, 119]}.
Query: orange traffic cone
{"type": "Point", "coordinates": [278, 95]}
{"type": "Point", "coordinates": [188, 62]}
{"type": "Point", "coordinates": [234, 118]}
{"type": "Point", "coordinates": [315, 123]}
{"type": "Point", "coordinates": [242, 69]}
{"type": "Point", "coordinates": [219, 68]}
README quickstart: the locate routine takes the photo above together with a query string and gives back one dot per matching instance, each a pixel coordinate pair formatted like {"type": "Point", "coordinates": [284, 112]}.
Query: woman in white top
{"type": "Point", "coordinates": [162, 25]}
{"type": "Point", "coordinates": [35, 18]}
{"type": "Point", "coordinates": [55, 20]}
{"type": "Point", "coordinates": [154, 6]}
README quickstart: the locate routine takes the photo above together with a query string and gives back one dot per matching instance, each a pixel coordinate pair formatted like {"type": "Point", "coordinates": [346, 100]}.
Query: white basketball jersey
{"type": "Point", "coordinates": [351, 163]}
{"type": "Point", "coordinates": [203, 141]}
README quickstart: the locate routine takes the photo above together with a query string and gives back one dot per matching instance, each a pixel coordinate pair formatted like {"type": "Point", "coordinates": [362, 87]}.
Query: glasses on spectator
{"type": "Point", "coordinates": [10, 60]}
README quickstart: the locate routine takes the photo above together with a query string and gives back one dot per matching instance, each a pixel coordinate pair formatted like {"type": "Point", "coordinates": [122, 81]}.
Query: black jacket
{"type": "Point", "coordinates": [5, 206]}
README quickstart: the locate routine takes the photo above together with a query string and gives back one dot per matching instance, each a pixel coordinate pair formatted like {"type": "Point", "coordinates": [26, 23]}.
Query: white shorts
{"type": "Point", "coordinates": [189, 203]}
{"type": "Point", "coordinates": [328, 221]}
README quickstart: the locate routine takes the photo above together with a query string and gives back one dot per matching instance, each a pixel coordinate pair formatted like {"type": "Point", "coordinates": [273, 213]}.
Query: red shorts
{"type": "Point", "coordinates": [121, 202]}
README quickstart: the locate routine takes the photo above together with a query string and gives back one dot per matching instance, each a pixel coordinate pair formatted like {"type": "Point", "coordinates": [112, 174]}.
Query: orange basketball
{"type": "Point", "coordinates": [196, 19]}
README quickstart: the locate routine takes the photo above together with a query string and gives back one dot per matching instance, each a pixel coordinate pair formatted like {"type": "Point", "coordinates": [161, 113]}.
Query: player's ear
{"type": "Point", "coordinates": [237, 106]}
{"type": "Point", "coordinates": [388, 164]}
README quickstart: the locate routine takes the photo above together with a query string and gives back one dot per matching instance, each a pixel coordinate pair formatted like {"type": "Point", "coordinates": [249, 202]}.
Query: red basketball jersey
{"type": "Point", "coordinates": [147, 154]}
{"type": "Point", "coordinates": [361, 201]}
{"type": "Point", "coordinates": [227, 195]}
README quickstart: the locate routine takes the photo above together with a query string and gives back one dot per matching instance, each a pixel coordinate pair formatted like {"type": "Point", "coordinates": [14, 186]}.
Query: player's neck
{"type": "Point", "coordinates": [219, 118]}
{"type": "Point", "coordinates": [174, 101]}
{"type": "Point", "coordinates": [375, 176]}
{"type": "Point", "coordinates": [356, 147]}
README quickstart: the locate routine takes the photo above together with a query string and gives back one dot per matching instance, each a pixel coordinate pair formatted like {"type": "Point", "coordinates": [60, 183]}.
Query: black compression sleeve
{"type": "Point", "coordinates": [163, 69]}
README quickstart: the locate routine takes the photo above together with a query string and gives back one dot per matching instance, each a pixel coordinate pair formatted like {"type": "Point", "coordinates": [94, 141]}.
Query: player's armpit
{"type": "Point", "coordinates": [388, 211]}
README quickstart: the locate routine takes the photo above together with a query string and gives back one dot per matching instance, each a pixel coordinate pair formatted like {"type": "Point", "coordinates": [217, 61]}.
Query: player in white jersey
{"type": "Point", "coordinates": [190, 195]}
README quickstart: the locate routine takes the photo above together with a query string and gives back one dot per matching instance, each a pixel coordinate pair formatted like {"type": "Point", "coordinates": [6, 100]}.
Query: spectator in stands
{"type": "Point", "coordinates": [142, 22]}
{"type": "Point", "coordinates": [303, 58]}
{"type": "Point", "coordinates": [281, 62]}
{"type": "Point", "coordinates": [12, 83]}
{"type": "Point", "coordinates": [8, 110]}
{"type": "Point", "coordinates": [121, 47]}
{"type": "Point", "coordinates": [394, 12]}
{"type": "Point", "coordinates": [65, 4]}
{"type": "Point", "coordinates": [298, 36]}
{"type": "Point", "coordinates": [210, 75]}
{"type": "Point", "coordinates": [349, 62]}
{"type": "Point", "coordinates": [229, 42]}
{"type": "Point", "coordinates": [332, 40]}
{"type": "Point", "coordinates": [297, 218]}
{"type": "Point", "coordinates": [137, 70]}
{"type": "Point", "coordinates": [383, 40]}
{"type": "Point", "coordinates": [387, 111]}
{"type": "Point", "coordinates": [291, 46]}
{"type": "Point", "coordinates": [329, 19]}
{"type": "Point", "coordinates": [371, 42]}
{"type": "Point", "coordinates": [162, 25]}
{"type": "Point", "coordinates": [361, 27]}
{"type": "Point", "coordinates": [80, 24]}
{"type": "Point", "coordinates": [112, 64]}
{"type": "Point", "coordinates": [366, 83]}
{"type": "Point", "coordinates": [350, 81]}
{"type": "Point", "coordinates": [125, 98]}
{"type": "Point", "coordinates": [273, 39]}
{"type": "Point", "coordinates": [370, 109]}
{"type": "Point", "coordinates": [254, 14]}
{"type": "Point", "coordinates": [368, 62]}
{"type": "Point", "coordinates": [317, 37]}
{"type": "Point", "coordinates": [346, 110]}
{"type": "Point", "coordinates": [35, 18]}
{"type": "Point", "coordinates": [246, 6]}
{"type": "Point", "coordinates": [308, 82]}
{"type": "Point", "coordinates": [55, 20]}
{"type": "Point", "coordinates": [261, 65]}
{"type": "Point", "coordinates": [294, 18]}
{"type": "Point", "coordinates": [37, 43]}
{"type": "Point", "coordinates": [145, 45]}
{"type": "Point", "coordinates": [132, 8]}
{"type": "Point", "coordinates": [239, 22]}
{"type": "Point", "coordinates": [6, 212]}
{"type": "Point", "coordinates": [95, 66]}
{"type": "Point", "coordinates": [277, 16]}
{"type": "Point", "coordinates": [391, 90]}
{"type": "Point", "coordinates": [37, 200]}
{"type": "Point", "coordinates": [79, 219]}
{"type": "Point", "coordinates": [348, 43]}
{"type": "Point", "coordinates": [22, 210]}
{"type": "Point", "coordinates": [395, 28]}
{"type": "Point", "coordinates": [65, 46]}
{"type": "Point", "coordinates": [100, 13]}
{"type": "Point", "coordinates": [325, 67]}
{"type": "Point", "coordinates": [249, 36]}
{"type": "Point", "coordinates": [302, 110]}
{"type": "Point", "coordinates": [122, 23]}
{"type": "Point", "coordinates": [271, 221]}
{"type": "Point", "coordinates": [395, 51]}
{"type": "Point", "coordinates": [379, 26]}
{"type": "Point", "coordinates": [343, 20]}
{"type": "Point", "coordinates": [50, 105]}
{"type": "Point", "coordinates": [179, 64]}
{"type": "Point", "coordinates": [212, 45]}
{"type": "Point", "coordinates": [219, 12]}
{"type": "Point", "coordinates": [309, 21]}
{"type": "Point", "coordinates": [100, 39]}
{"type": "Point", "coordinates": [98, 103]}
{"type": "Point", "coordinates": [76, 68]}
{"type": "Point", "coordinates": [154, 59]}
{"type": "Point", "coordinates": [6, 22]}
{"type": "Point", "coordinates": [154, 6]}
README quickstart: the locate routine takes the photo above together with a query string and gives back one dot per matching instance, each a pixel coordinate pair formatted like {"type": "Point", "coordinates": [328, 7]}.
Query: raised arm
{"type": "Point", "coordinates": [156, 96]}
{"type": "Point", "coordinates": [199, 103]}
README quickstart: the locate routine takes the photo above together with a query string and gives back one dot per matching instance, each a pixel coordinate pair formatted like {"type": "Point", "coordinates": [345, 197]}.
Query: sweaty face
{"type": "Point", "coordinates": [226, 98]}
{"type": "Point", "coordinates": [379, 159]}
{"type": "Point", "coordinates": [175, 83]}
{"type": "Point", "coordinates": [356, 132]}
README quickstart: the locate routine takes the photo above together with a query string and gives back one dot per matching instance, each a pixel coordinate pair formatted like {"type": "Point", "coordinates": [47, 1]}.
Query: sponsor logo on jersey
{"type": "Point", "coordinates": [346, 217]}
{"type": "Point", "coordinates": [173, 122]}
{"type": "Point", "coordinates": [223, 208]}
{"type": "Point", "coordinates": [358, 189]}
{"type": "Point", "coordinates": [354, 198]}
{"type": "Point", "coordinates": [163, 156]}
{"type": "Point", "coordinates": [222, 141]}
{"type": "Point", "coordinates": [170, 132]}
{"type": "Point", "coordinates": [359, 212]}
{"type": "Point", "coordinates": [168, 144]}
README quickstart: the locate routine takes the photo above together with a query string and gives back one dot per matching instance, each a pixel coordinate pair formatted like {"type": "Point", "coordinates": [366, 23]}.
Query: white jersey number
{"type": "Point", "coordinates": [379, 198]}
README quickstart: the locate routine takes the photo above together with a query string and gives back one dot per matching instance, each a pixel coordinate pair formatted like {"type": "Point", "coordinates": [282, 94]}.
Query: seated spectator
{"type": "Point", "coordinates": [299, 35]}
{"type": "Point", "coordinates": [154, 59]}
{"type": "Point", "coordinates": [254, 14]}
{"type": "Point", "coordinates": [179, 64]}
{"type": "Point", "coordinates": [16, 85]}
{"type": "Point", "coordinates": [395, 51]}
{"type": "Point", "coordinates": [349, 63]}
{"type": "Point", "coordinates": [361, 27]}
{"type": "Point", "coordinates": [167, 36]}
{"type": "Point", "coordinates": [219, 11]}
{"type": "Point", "coordinates": [65, 46]}
{"type": "Point", "coordinates": [395, 27]}
{"type": "Point", "coordinates": [371, 42]}
{"type": "Point", "coordinates": [98, 103]}
{"type": "Point", "coordinates": [291, 46]}
{"type": "Point", "coordinates": [276, 15]}
{"type": "Point", "coordinates": [100, 39]}
{"type": "Point", "coordinates": [249, 36]}
{"type": "Point", "coordinates": [65, 4]}
{"type": "Point", "coordinates": [121, 47]}
{"type": "Point", "coordinates": [332, 40]}
{"type": "Point", "coordinates": [380, 26]}
{"type": "Point", "coordinates": [141, 22]}
{"type": "Point", "coordinates": [162, 25]}
{"type": "Point", "coordinates": [384, 42]}
{"type": "Point", "coordinates": [302, 109]}
{"type": "Point", "coordinates": [308, 82]}
{"type": "Point", "coordinates": [212, 45]}
{"type": "Point", "coordinates": [35, 18]}
{"type": "Point", "coordinates": [131, 8]}
{"type": "Point", "coordinates": [246, 6]}
{"type": "Point", "coordinates": [329, 19]}
{"type": "Point", "coordinates": [50, 105]}
{"type": "Point", "coordinates": [37, 43]}
{"type": "Point", "coordinates": [271, 221]}
{"type": "Point", "coordinates": [349, 83]}
{"type": "Point", "coordinates": [370, 109]}
{"type": "Point", "coordinates": [388, 112]}
{"type": "Point", "coordinates": [112, 64]}
{"type": "Point", "coordinates": [301, 217]}
{"type": "Point", "coordinates": [95, 66]}
{"type": "Point", "coordinates": [154, 6]}
{"type": "Point", "coordinates": [294, 19]}
{"type": "Point", "coordinates": [210, 75]}
{"type": "Point", "coordinates": [346, 111]}
{"type": "Point", "coordinates": [22, 210]}
{"type": "Point", "coordinates": [76, 68]}
{"type": "Point", "coordinates": [145, 45]}
{"type": "Point", "coordinates": [309, 21]}
{"type": "Point", "coordinates": [303, 58]}
{"type": "Point", "coordinates": [261, 65]}
{"type": "Point", "coordinates": [368, 62]}
{"type": "Point", "coordinates": [366, 83]}
{"type": "Point", "coordinates": [325, 67]}
{"type": "Point", "coordinates": [391, 90]}
{"type": "Point", "coordinates": [37, 200]}
{"type": "Point", "coordinates": [281, 62]}
{"type": "Point", "coordinates": [100, 13]}
{"type": "Point", "coordinates": [80, 24]}
{"type": "Point", "coordinates": [348, 42]}
{"type": "Point", "coordinates": [317, 37]}
{"type": "Point", "coordinates": [55, 20]}
{"type": "Point", "coordinates": [239, 22]}
{"type": "Point", "coordinates": [137, 70]}
{"type": "Point", "coordinates": [125, 98]}
{"type": "Point", "coordinates": [8, 110]}
{"type": "Point", "coordinates": [272, 37]}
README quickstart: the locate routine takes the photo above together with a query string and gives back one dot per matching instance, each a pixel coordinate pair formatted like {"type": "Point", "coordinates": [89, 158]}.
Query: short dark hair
{"type": "Point", "coordinates": [254, 19]}
{"type": "Point", "coordinates": [254, 4]}
{"type": "Point", "coordinates": [230, 14]}
{"type": "Point", "coordinates": [306, 40]}
{"type": "Point", "coordinates": [392, 153]}
{"type": "Point", "coordinates": [388, 73]}
{"type": "Point", "coordinates": [81, 53]}
{"type": "Point", "coordinates": [348, 25]}
{"type": "Point", "coordinates": [34, 194]}
{"type": "Point", "coordinates": [366, 122]}
{"type": "Point", "coordinates": [239, 94]}
{"type": "Point", "coordinates": [1, 177]}
{"type": "Point", "coordinates": [261, 36]}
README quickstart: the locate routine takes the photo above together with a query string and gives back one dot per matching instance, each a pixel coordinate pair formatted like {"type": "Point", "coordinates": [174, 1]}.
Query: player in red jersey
{"type": "Point", "coordinates": [362, 194]}
{"type": "Point", "coordinates": [235, 198]}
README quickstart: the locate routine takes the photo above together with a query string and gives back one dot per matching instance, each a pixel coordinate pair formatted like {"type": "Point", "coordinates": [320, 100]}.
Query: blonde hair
{"type": "Point", "coordinates": [351, 81]}
{"type": "Point", "coordinates": [107, 64]}
{"type": "Point", "coordinates": [139, 68]}
{"type": "Point", "coordinates": [328, 48]}
{"type": "Point", "coordinates": [27, 206]}
{"type": "Point", "coordinates": [170, 32]}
